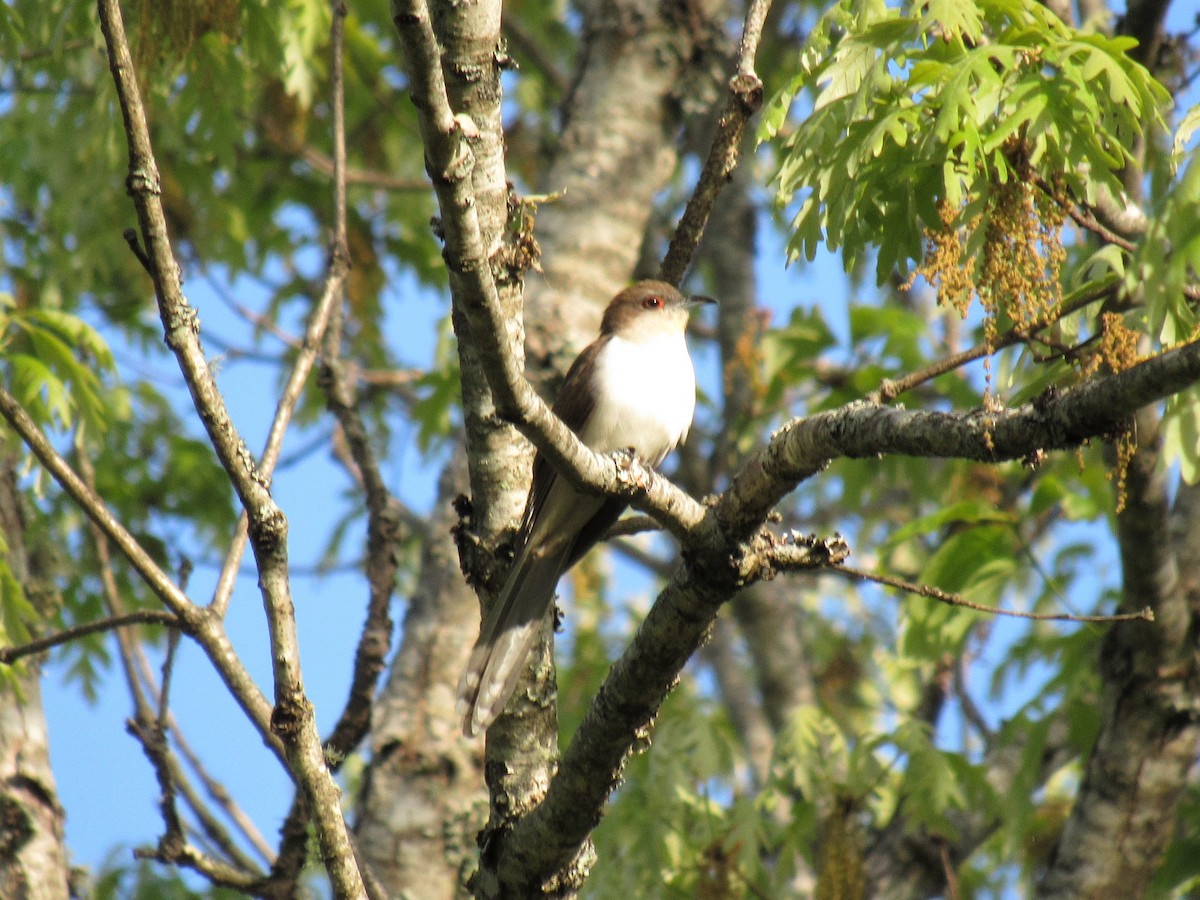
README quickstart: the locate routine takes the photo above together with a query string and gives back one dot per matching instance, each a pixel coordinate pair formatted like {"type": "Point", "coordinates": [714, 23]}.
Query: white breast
{"type": "Point", "coordinates": [647, 393]}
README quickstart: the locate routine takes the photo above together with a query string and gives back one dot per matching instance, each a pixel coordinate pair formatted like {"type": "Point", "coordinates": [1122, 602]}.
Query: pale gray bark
{"type": "Point", "coordinates": [422, 800]}
{"type": "Point", "coordinates": [33, 864]}
{"type": "Point", "coordinates": [33, 859]}
{"type": "Point", "coordinates": [616, 153]}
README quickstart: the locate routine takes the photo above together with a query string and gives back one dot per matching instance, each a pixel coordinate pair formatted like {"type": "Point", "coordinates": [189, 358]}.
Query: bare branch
{"type": "Point", "coordinates": [292, 718]}
{"type": "Point", "coordinates": [1054, 421]}
{"type": "Point", "coordinates": [219, 873]}
{"type": "Point", "coordinates": [137, 673]}
{"type": "Point", "coordinates": [158, 580]}
{"type": "Point", "coordinates": [1146, 614]}
{"type": "Point", "coordinates": [331, 296]}
{"type": "Point", "coordinates": [745, 98]}
{"type": "Point", "coordinates": [208, 631]}
{"type": "Point", "coordinates": [383, 512]}
{"type": "Point", "coordinates": [620, 715]}
{"type": "Point", "coordinates": [9, 655]}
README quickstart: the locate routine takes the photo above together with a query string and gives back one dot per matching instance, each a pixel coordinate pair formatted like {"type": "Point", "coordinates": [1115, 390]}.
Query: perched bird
{"type": "Point", "coordinates": [632, 388]}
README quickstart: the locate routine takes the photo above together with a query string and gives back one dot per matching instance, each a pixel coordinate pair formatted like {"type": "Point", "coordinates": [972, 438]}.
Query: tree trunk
{"type": "Point", "coordinates": [33, 859]}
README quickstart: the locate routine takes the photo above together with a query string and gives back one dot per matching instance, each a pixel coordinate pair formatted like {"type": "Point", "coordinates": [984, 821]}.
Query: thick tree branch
{"type": "Point", "coordinates": [1055, 421]}
{"type": "Point", "coordinates": [292, 719]}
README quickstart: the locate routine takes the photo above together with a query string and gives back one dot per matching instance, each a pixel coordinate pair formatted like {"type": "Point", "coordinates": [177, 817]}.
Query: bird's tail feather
{"type": "Point", "coordinates": [507, 633]}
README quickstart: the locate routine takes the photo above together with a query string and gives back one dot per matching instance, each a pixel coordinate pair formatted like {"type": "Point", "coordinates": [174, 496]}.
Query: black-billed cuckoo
{"type": "Point", "coordinates": [632, 388]}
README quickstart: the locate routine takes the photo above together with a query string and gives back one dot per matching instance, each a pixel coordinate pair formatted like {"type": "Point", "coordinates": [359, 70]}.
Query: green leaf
{"type": "Point", "coordinates": [965, 558]}
{"type": "Point", "coordinates": [1188, 126]}
{"type": "Point", "coordinates": [1181, 434]}
{"type": "Point", "coordinates": [965, 512]}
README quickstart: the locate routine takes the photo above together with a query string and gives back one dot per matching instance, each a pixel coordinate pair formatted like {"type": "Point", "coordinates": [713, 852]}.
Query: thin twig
{"type": "Point", "coordinates": [330, 298]}
{"type": "Point", "coordinates": [331, 294]}
{"type": "Point", "coordinates": [383, 522]}
{"type": "Point", "coordinates": [267, 324]}
{"type": "Point", "coordinates": [745, 98]}
{"type": "Point", "coordinates": [216, 791]}
{"type": "Point", "coordinates": [1084, 219]}
{"type": "Point", "coordinates": [948, 867]}
{"type": "Point", "coordinates": [889, 389]}
{"type": "Point", "coordinates": [924, 590]}
{"type": "Point", "coordinates": [9, 655]}
{"type": "Point", "coordinates": [219, 873]}
{"type": "Point", "coordinates": [164, 692]}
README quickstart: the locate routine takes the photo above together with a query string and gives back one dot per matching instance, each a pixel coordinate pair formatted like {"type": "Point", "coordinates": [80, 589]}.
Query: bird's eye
{"type": "Point", "coordinates": [652, 302]}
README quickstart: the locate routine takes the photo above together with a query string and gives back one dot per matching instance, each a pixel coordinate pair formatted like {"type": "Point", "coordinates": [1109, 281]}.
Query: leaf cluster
{"type": "Point", "coordinates": [922, 104]}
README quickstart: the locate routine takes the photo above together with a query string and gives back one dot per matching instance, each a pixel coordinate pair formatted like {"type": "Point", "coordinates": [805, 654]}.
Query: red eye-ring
{"type": "Point", "coordinates": [652, 303]}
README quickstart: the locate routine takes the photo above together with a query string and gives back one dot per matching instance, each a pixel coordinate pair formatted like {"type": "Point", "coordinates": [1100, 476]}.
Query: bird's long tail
{"type": "Point", "coordinates": [508, 631]}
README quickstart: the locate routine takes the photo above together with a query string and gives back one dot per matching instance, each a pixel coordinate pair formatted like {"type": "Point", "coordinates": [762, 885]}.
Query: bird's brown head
{"type": "Point", "coordinates": [649, 308]}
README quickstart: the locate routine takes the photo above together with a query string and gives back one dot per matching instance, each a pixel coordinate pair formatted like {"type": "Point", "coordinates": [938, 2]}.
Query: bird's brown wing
{"type": "Point", "coordinates": [575, 404]}
{"type": "Point", "coordinates": [551, 540]}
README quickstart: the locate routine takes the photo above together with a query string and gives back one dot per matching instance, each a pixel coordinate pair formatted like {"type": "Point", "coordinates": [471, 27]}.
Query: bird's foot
{"type": "Point", "coordinates": [625, 457]}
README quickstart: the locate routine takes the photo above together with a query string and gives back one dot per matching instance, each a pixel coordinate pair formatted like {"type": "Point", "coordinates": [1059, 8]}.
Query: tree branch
{"type": "Point", "coordinates": [9, 655]}
{"type": "Point", "coordinates": [207, 630]}
{"type": "Point", "coordinates": [331, 295]}
{"type": "Point", "coordinates": [1055, 421]}
{"type": "Point", "coordinates": [745, 98]}
{"type": "Point", "coordinates": [620, 715]}
{"type": "Point", "coordinates": [383, 512]}
{"type": "Point", "coordinates": [157, 580]}
{"type": "Point", "coordinates": [136, 669]}
{"type": "Point", "coordinates": [891, 389]}
{"type": "Point", "coordinates": [1145, 614]}
{"type": "Point", "coordinates": [292, 718]}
